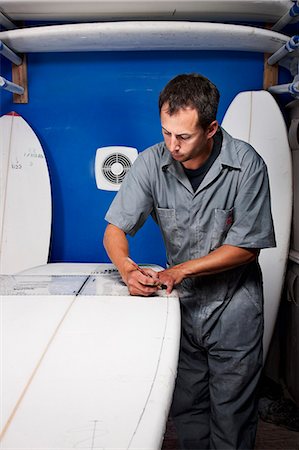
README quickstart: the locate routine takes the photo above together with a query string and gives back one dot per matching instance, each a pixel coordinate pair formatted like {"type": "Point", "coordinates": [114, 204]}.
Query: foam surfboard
{"type": "Point", "coordinates": [256, 118]}
{"type": "Point", "coordinates": [216, 10]}
{"type": "Point", "coordinates": [95, 366]}
{"type": "Point", "coordinates": [29, 319]}
{"type": "Point", "coordinates": [25, 197]}
{"type": "Point", "coordinates": [142, 35]}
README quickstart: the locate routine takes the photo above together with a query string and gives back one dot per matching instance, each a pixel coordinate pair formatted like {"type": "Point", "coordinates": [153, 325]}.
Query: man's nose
{"type": "Point", "coordinates": [174, 143]}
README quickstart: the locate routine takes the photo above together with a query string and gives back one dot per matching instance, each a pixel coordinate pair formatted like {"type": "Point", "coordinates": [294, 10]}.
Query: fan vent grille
{"type": "Point", "coordinates": [115, 167]}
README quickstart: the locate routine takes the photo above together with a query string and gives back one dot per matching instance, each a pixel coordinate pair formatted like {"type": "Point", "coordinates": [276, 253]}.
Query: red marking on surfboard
{"type": "Point", "coordinates": [12, 113]}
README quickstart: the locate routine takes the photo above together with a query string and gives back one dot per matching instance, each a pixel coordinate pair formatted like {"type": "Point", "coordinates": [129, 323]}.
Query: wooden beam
{"type": "Point", "coordinates": [270, 73]}
{"type": "Point", "coordinates": [19, 76]}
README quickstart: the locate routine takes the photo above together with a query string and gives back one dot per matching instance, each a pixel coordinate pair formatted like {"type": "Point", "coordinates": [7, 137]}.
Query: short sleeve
{"type": "Point", "coordinates": [133, 203]}
{"type": "Point", "coordinates": [252, 225]}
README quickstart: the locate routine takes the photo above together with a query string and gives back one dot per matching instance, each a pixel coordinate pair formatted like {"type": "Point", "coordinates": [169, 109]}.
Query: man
{"type": "Point", "coordinates": [209, 193]}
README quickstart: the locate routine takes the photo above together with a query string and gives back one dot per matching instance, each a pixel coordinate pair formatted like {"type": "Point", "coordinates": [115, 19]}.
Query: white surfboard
{"type": "Point", "coordinates": [256, 118]}
{"type": "Point", "coordinates": [216, 10]}
{"type": "Point", "coordinates": [95, 366]}
{"type": "Point", "coordinates": [142, 35]}
{"type": "Point", "coordinates": [25, 197]}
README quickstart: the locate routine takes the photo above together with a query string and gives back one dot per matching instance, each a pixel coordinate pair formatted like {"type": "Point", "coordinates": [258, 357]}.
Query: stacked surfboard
{"type": "Point", "coordinates": [25, 197]}
{"type": "Point", "coordinates": [256, 118]}
{"type": "Point", "coordinates": [142, 35]}
{"type": "Point", "coordinates": [101, 10]}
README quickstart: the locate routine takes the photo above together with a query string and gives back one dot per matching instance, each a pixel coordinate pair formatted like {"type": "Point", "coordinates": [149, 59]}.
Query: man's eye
{"type": "Point", "coordinates": [185, 138]}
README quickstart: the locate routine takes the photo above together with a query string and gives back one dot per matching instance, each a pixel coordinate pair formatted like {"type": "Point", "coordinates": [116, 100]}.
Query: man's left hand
{"type": "Point", "coordinates": [171, 277]}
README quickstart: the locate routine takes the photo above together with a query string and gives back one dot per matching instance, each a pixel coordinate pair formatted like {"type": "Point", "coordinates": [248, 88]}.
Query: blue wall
{"type": "Point", "coordinates": [81, 101]}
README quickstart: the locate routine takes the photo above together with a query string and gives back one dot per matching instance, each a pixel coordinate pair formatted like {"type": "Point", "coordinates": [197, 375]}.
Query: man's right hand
{"type": "Point", "coordinates": [143, 282]}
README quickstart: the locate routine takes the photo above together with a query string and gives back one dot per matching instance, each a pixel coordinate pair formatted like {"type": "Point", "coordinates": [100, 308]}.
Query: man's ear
{"type": "Point", "coordinates": [212, 129]}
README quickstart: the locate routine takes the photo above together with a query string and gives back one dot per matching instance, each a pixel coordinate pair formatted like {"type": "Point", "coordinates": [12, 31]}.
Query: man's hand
{"type": "Point", "coordinates": [141, 281]}
{"type": "Point", "coordinates": [117, 247]}
{"type": "Point", "coordinates": [171, 277]}
{"type": "Point", "coordinates": [143, 284]}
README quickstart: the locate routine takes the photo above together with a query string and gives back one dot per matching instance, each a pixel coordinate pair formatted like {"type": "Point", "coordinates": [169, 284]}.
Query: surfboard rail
{"type": "Point", "coordinates": [143, 35]}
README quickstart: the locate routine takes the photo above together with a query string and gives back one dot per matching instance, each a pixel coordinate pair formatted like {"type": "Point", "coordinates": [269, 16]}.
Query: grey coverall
{"type": "Point", "coordinates": [214, 403]}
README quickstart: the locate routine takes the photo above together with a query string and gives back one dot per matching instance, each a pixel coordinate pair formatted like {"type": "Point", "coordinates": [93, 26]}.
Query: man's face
{"type": "Point", "coordinates": [187, 142]}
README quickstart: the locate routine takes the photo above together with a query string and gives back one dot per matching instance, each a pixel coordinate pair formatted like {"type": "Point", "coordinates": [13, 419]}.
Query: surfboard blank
{"type": "Point", "coordinates": [25, 203]}
{"type": "Point", "coordinates": [216, 10]}
{"type": "Point", "coordinates": [107, 376]}
{"type": "Point", "coordinates": [27, 327]}
{"type": "Point", "coordinates": [148, 35]}
{"type": "Point", "coordinates": [256, 118]}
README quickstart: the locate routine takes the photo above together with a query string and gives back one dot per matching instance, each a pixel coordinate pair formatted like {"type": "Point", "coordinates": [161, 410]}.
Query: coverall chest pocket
{"type": "Point", "coordinates": [169, 228]}
{"type": "Point", "coordinates": [223, 220]}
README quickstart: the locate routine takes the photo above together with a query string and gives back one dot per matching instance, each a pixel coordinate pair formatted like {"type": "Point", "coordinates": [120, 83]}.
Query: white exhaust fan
{"type": "Point", "coordinates": [112, 164]}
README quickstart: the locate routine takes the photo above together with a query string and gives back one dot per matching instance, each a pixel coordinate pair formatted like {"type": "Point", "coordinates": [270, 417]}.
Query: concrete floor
{"type": "Point", "coordinates": [269, 437]}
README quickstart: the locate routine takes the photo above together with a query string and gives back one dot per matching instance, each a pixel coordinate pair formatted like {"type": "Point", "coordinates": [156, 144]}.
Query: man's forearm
{"type": "Point", "coordinates": [224, 258]}
{"type": "Point", "coordinates": [117, 248]}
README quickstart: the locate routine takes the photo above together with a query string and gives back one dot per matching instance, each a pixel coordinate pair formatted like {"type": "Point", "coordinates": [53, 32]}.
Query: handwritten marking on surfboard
{"type": "Point", "coordinates": [93, 434]}
{"type": "Point", "coordinates": [27, 156]}
{"type": "Point", "coordinates": [16, 166]}
{"type": "Point", "coordinates": [89, 436]}
{"type": "Point", "coordinates": [33, 155]}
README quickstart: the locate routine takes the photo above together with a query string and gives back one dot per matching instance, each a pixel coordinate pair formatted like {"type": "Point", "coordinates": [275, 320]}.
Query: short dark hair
{"type": "Point", "coordinates": [191, 90]}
